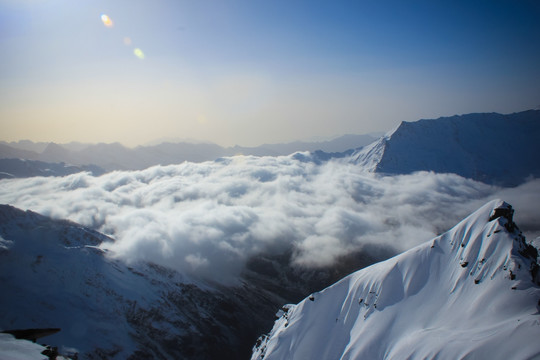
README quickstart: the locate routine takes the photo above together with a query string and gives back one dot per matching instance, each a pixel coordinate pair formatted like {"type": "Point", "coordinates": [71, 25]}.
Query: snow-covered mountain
{"type": "Point", "coordinates": [492, 148]}
{"type": "Point", "coordinates": [15, 349]}
{"type": "Point", "coordinates": [54, 274]}
{"type": "Point", "coordinates": [472, 293]}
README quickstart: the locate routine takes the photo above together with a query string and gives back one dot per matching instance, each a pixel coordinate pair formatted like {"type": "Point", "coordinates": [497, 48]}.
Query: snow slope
{"type": "Point", "coordinates": [492, 148]}
{"type": "Point", "coordinates": [470, 293]}
{"type": "Point", "coordinates": [53, 274]}
{"type": "Point", "coordinates": [13, 349]}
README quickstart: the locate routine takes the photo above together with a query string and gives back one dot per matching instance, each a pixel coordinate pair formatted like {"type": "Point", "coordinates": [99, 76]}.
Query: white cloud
{"type": "Point", "coordinates": [207, 219]}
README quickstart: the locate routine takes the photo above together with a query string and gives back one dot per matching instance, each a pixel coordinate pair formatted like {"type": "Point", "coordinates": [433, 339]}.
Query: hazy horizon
{"type": "Point", "coordinates": [163, 140]}
{"type": "Point", "coordinates": [250, 73]}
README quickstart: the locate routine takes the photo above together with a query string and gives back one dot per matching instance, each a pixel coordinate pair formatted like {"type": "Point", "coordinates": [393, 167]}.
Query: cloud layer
{"type": "Point", "coordinates": [206, 219]}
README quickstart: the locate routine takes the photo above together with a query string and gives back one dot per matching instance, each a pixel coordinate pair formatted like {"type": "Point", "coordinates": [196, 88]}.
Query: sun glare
{"type": "Point", "coordinates": [107, 20]}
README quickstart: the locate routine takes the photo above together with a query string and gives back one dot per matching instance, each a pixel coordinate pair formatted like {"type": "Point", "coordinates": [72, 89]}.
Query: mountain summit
{"type": "Point", "coordinates": [489, 147]}
{"type": "Point", "coordinates": [472, 292]}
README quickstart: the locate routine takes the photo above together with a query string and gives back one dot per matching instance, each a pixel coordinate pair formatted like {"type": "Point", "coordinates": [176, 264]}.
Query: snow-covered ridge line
{"type": "Point", "coordinates": [471, 292]}
{"type": "Point", "coordinates": [492, 148]}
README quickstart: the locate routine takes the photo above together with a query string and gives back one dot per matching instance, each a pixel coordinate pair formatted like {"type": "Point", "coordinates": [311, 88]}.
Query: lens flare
{"type": "Point", "coordinates": [138, 53]}
{"type": "Point", "coordinates": [127, 41]}
{"type": "Point", "coordinates": [107, 20]}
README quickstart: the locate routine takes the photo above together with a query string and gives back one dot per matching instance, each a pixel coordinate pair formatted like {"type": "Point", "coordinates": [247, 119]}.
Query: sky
{"type": "Point", "coordinates": [252, 72]}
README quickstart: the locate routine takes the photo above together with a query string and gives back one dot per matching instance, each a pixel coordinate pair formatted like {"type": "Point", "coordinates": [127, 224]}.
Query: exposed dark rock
{"type": "Point", "coordinates": [51, 352]}
{"type": "Point", "coordinates": [529, 251]}
{"type": "Point", "coordinates": [535, 273]}
{"type": "Point", "coordinates": [31, 334]}
{"type": "Point", "coordinates": [505, 210]}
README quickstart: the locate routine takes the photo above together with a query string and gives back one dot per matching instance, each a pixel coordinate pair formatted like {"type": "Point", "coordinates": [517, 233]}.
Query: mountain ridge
{"type": "Point", "coordinates": [477, 281]}
{"type": "Point", "coordinates": [489, 147]}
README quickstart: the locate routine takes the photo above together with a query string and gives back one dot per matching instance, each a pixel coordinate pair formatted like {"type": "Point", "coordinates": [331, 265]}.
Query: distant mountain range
{"type": "Point", "coordinates": [115, 156]}
{"type": "Point", "coordinates": [489, 147]}
{"type": "Point", "coordinates": [17, 168]}
{"type": "Point", "coordinates": [492, 148]}
{"type": "Point", "coordinates": [471, 293]}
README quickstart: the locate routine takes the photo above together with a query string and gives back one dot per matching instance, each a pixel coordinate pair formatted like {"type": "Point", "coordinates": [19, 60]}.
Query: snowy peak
{"type": "Point", "coordinates": [477, 281]}
{"type": "Point", "coordinates": [493, 148]}
{"type": "Point", "coordinates": [495, 249]}
{"type": "Point", "coordinates": [369, 156]}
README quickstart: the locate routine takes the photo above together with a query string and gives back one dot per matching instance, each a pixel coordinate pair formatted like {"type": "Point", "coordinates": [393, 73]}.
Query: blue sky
{"type": "Point", "coordinates": [249, 72]}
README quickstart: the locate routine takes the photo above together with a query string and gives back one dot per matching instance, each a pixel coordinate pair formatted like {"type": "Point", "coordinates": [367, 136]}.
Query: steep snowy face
{"type": "Point", "coordinates": [369, 156]}
{"type": "Point", "coordinates": [472, 292]}
{"type": "Point", "coordinates": [492, 148]}
{"type": "Point", "coordinates": [53, 274]}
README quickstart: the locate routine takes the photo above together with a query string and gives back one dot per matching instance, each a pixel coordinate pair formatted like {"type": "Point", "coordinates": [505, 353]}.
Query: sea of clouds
{"type": "Point", "coordinates": [207, 219]}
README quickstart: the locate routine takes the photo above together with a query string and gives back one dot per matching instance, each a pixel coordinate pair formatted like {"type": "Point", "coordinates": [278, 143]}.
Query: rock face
{"type": "Point", "coordinates": [31, 334]}
{"type": "Point", "coordinates": [472, 292]}
{"type": "Point", "coordinates": [492, 148]}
